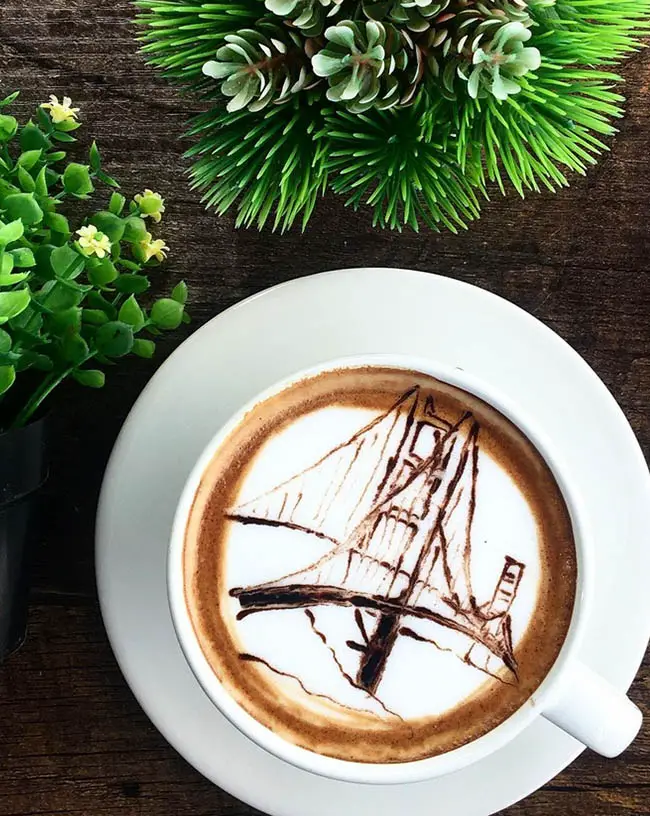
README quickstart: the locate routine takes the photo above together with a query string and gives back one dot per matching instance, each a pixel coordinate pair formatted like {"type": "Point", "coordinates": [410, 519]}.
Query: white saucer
{"type": "Point", "coordinates": [291, 327]}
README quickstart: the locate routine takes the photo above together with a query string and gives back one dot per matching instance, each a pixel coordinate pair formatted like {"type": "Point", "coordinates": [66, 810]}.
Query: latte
{"type": "Point", "coordinates": [379, 566]}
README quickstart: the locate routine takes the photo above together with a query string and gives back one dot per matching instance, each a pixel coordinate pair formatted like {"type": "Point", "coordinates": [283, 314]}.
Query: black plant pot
{"type": "Point", "coordinates": [23, 469]}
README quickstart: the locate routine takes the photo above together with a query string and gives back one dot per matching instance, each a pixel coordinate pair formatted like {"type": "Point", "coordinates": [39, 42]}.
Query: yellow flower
{"type": "Point", "coordinates": [150, 204]}
{"type": "Point", "coordinates": [93, 242]}
{"type": "Point", "coordinates": [60, 111]}
{"type": "Point", "coordinates": [153, 249]}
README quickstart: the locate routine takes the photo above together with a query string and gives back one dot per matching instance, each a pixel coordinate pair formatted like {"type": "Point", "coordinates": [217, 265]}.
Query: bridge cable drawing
{"type": "Point", "coordinates": [396, 502]}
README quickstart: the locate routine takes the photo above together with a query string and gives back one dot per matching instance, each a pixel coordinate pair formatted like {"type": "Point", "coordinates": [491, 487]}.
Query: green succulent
{"type": "Point", "coordinates": [261, 66]}
{"type": "Point", "coordinates": [361, 63]}
{"type": "Point", "coordinates": [499, 65]}
{"type": "Point", "coordinates": [307, 15]}
{"type": "Point", "coordinates": [474, 32]}
{"type": "Point", "coordinates": [415, 15]}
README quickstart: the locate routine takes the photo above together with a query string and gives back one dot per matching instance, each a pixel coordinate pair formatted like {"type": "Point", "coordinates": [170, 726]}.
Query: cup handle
{"type": "Point", "coordinates": [594, 712]}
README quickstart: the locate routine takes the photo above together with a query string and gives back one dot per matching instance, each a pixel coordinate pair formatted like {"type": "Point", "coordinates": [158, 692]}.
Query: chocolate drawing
{"type": "Point", "coordinates": [397, 503]}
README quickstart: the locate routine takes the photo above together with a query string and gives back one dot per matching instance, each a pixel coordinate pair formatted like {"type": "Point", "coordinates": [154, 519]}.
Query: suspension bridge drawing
{"type": "Point", "coordinates": [396, 501]}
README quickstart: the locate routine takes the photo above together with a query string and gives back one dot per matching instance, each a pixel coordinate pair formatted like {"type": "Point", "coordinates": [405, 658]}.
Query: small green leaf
{"type": "Point", "coordinates": [7, 189]}
{"type": "Point", "coordinates": [114, 339]}
{"type": "Point", "coordinates": [102, 273]}
{"type": "Point", "coordinates": [23, 206]}
{"type": "Point", "coordinates": [90, 377]}
{"type": "Point", "coordinates": [131, 266]}
{"type": "Point", "coordinates": [74, 348]}
{"type": "Point", "coordinates": [52, 177]}
{"type": "Point", "coordinates": [110, 224]}
{"type": "Point", "coordinates": [33, 359]}
{"type": "Point", "coordinates": [116, 204]}
{"type": "Point", "coordinates": [186, 318]}
{"type": "Point", "coordinates": [8, 279]}
{"type": "Point", "coordinates": [58, 223]}
{"type": "Point", "coordinates": [26, 182]}
{"type": "Point", "coordinates": [43, 363]}
{"type": "Point", "coordinates": [41, 182]}
{"type": "Point", "coordinates": [67, 320]}
{"type": "Point", "coordinates": [67, 126]}
{"type": "Point", "coordinates": [135, 230]}
{"type": "Point", "coordinates": [8, 127]}
{"type": "Point", "coordinates": [66, 262]}
{"type": "Point", "coordinates": [43, 265]}
{"type": "Point", "coordinates": [7, 378]}
{"type": "Point", "coordinates": [44, 120]}
{"type": "Point", "coordinates": [131, 313]}
{"type": "Point", "coordinates": [95, 317]}
{"type": "Point", "coordinates": [97, 301]}
{"type": "Point", "coordinates": [27, 324]}
{"type": "Point", "coordinates": [33, 138]}
{"type": "Point", "coordinates": [13, 303]}
{"type": "Point", "coordinates": [55, 297]}
{"type": "Point", "coordinates": [84, 288]}
{"type": "Point", "coordinates": [11, 232]}
{"type": "Point", "coordinates": [56, 156]}
{"type": "Point", "coordinates": [23, 257]}
{"type": "Point", "coordinates": [6, 264]}
{"type": "Point", "coordinates": [132, 284]}
{"type": "Point", "coordinates": [29, 158]}
{"type": "Point", "coordinates": [5, 341]}
{"type": "Point", "coordinates": [63, 137]}
{"type": "Point", "coordinates": [144, 348]}
{"type": "Point", "coordinates": [108, 180]}
{"type": "Point", "coordinates": [95, 158]}
{"type": "Point", "coordinates": [179, 293]}
{"type": "Point", "coordinates": [10, 357]}
{"type": "Point", "coordinates": [9, 99]}
{"type": "Point", "coordinates": [76, 179]}
{"type": "Point", "coordinates": [167, 313]}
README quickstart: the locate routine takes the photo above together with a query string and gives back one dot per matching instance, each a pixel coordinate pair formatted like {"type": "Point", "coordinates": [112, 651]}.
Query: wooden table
{"type": "Point", "coordinates": [72, 738]}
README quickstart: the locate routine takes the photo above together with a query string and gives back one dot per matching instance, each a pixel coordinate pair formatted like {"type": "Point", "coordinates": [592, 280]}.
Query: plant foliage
{"type": "Point", "coordinates": [410, 107]}
{"type": "Point", "coordinates": [70, 299]}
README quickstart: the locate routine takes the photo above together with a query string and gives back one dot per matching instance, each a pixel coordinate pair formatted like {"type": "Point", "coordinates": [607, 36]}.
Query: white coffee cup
{"type": "Point", "coordinates": [571, 696]}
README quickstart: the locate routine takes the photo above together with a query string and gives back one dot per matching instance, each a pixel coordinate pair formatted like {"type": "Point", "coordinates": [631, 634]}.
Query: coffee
{"type": "Point", "coordinates": [379, 566]}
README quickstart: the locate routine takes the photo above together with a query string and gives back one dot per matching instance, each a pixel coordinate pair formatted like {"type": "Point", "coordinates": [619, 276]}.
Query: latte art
{"type": "Point", "coordinates": [379, 566]}
{"type": "Point", "coordinates": [392, 513]}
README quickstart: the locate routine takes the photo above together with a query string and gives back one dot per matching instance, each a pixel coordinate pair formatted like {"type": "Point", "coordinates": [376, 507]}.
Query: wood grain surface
{"type": "Point", "coordinates": [72, 738]}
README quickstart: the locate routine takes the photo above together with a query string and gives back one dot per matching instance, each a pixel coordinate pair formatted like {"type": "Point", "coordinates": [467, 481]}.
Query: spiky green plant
{"type": "Point", "coordinates": [273, 163]}
{"type": "Point", "coordinates": [402, 164]}
{"type": "Point", "coordinates": [410, 107]}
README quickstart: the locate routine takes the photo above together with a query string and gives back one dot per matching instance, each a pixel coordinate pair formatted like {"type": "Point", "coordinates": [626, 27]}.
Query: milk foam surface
{"type": "Point", "coordinates": [378, 565]}
{"type": "Point", "coordinates": [428, 671]}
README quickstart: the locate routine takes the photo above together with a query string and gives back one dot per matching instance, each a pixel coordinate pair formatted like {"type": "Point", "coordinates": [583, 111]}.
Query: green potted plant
{"type": "Point", "coordinates": [69, 306]}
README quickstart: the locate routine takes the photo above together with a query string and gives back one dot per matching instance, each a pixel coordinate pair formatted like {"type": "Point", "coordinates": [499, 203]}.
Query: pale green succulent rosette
{"type": "Point", "coordinates": [360, 62]}
{"type": "Point", "coordinates": [258, 67]}
{"type": "Point", "coordinates": [499, 65]}
{"type": "Point", "coordinates": [416, 15]}
{"type": "Point", "coordinates": [308, 15]}
{"type": "Point", "coordinates": [473, 37]}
